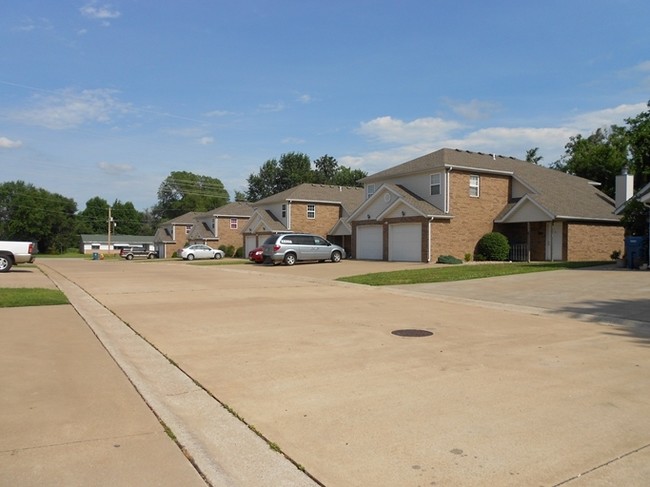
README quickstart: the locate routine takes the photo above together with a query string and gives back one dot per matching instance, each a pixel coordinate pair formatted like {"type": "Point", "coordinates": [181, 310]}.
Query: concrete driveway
{"type": "Point", "coordinates": [508, 389]}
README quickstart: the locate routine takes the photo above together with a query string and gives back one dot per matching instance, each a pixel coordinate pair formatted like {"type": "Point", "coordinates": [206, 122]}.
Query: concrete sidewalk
{"type": "Point", "coordinates": [68, 414]}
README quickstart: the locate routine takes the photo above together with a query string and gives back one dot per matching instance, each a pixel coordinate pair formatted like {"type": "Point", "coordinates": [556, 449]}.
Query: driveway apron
{"type": "Point", "coordinates": [496, 393]}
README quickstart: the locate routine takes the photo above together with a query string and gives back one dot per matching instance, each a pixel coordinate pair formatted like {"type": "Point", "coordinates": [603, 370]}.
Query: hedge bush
{"type": "Point", "coordinates": [492, 246]}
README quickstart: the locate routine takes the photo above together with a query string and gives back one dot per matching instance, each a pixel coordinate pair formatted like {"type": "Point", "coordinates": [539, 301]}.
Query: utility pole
{"type": "Point", "coordinates": [110, 227]}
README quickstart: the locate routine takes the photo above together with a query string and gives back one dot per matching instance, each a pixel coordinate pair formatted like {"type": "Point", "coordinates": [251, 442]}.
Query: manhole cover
{"type": "Point", "coordinates": [412, 333]}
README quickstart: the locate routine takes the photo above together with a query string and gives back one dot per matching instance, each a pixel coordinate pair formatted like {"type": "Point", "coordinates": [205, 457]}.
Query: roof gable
{"type": "Point", "coordinates": [347, 196]}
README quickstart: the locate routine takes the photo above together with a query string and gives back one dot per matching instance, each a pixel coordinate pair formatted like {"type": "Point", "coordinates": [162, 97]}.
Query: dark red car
{"type": "Point", "coordinates": [256, 256]}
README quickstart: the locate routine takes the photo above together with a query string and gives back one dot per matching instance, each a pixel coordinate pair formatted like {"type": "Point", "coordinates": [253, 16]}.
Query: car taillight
{"type": "Point", "coordinates": [276, 247]}
{"type": "Point", "coordinates": [31, 248]}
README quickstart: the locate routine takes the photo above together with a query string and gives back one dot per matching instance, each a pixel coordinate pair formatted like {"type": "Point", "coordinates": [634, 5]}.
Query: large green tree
{"type": "Point", "coordinates": [599, 157]}
{"type": "Point", "coordinates": [34, 214]}
{"type": "Point", "coordinates": [295, 168]}
{"type": "Point", "coordinates": [183, 191]}
{"type": "Point", "coordinates": [94, 218]}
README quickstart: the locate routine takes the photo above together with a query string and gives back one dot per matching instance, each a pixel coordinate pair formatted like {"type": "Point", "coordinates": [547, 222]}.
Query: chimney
{"type": "Point", "coordinates": [624, 187]}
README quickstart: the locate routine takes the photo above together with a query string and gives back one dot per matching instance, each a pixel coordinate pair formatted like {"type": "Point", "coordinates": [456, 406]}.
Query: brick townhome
{"type": "Point", "coordinates": [173, 234]}
{"type": "Point", "coordinates": [309, 208]}
{"type": "Point", "coordinates": [221, 226]}
{"type": "Point", "coordinates": [444, 202]}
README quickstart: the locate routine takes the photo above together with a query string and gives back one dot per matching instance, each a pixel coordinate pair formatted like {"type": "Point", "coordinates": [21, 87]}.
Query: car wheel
{"type": "Point", "coordinates": [129, 257]}
{"type": "Point", "coordinates": [290, 259]}
{"type": "Point", "coordinates": [217, 255]}
{"type": "Point", "coordinates": [336, 256]}
{"type": "Point", "coordinates": [190, 256]}
{"type": "Point", "coordinates": [150, 256]}
{"type": "Point", "coordinates": [5, 263]}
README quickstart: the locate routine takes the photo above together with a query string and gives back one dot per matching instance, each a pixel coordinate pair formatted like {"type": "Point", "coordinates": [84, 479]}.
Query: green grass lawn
{"type": "Point", "coordinates": [14, 297]}
{"type": "Point", "coordinates": [461, 272]}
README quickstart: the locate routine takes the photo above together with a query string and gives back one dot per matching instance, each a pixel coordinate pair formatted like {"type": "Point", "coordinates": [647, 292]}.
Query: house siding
{"type": "Point", "coordinates": [593, 242]}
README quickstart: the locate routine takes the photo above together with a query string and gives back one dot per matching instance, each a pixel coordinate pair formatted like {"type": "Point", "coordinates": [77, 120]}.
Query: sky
{"type": "Point", "coordinates": [106, 99]}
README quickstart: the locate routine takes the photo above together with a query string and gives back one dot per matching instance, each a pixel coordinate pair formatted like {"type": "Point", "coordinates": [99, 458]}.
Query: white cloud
{"type": "Point", "coordinates": [217, 113]}
{"type": "Point", "coordinates": [305, 99]}
{"type": "Point", "coordinates": [206, 140]}
{"type": "Point", "coordinates": [411, 139]}
{"type": "Point", "coordinates": [388, 129]}
{"type": "Point", "coordinates": [68, 108]}
{"type": "Point", "coordinates": [113, 168]}
{"type": "Point", "coordinates": [6, 143]}
{"type": "Point", "coordinates": [590, 121]}
{"type": "Point", "coordinates": [104, 12]}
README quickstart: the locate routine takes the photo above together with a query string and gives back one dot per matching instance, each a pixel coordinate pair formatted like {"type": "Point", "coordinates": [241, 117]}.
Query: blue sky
{"type": "Point", "coordinates": [108, 98]}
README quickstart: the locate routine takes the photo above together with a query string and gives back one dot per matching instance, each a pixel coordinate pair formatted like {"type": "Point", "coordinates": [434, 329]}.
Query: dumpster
{"type": "Point", "coordinates": [634, 252]}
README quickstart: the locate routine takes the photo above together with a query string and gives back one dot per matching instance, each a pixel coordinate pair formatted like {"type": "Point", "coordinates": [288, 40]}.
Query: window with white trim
{"type": "Point", "coordinates": [434, 184]}
{"type": "Point", "coordinates": [370, 190]}
{"type": "Point", "coordinates": [234, 223]}
{"type": "Point", "coordinates": [311, 211]}
{"type": "Point", "coordinates": [474, 186]}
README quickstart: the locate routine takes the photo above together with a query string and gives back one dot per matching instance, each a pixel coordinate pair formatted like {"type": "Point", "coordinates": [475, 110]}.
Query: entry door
{"type": "Point", "coordinates": [554, 241]}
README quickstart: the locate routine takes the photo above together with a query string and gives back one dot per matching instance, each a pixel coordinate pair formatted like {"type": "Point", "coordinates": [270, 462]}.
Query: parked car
{"type": "Point", "coordinates": [201, 251]}
{"type": "Point", "coordinates": [129, 253]}
{"type": "Point", "coordinates": [256, 255]}
{"type": "Point", "coordinates": [293, 247]}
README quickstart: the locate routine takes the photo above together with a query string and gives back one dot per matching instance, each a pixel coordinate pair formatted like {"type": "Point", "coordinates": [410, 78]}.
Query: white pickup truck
{"type": "Point", "coordinates": [12, 253]}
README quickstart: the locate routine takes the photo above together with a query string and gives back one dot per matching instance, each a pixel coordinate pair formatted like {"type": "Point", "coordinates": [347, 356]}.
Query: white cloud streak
{"type": "Point", "coordinates": [67, 109]}
{"type": "Point", "coordinates": [104, 12]}
{"type": "Point", "coordinates": [6, 143]}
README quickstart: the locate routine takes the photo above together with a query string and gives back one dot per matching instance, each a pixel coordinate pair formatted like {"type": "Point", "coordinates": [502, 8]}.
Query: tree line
{"type": "Point", "coordinates": [55, 224]}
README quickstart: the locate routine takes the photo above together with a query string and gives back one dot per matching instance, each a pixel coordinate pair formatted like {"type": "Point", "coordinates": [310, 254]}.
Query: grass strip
{"type": "Point", "coordinates": [461, 272]}
{"type": "Point", "coordinates": [15, 297]}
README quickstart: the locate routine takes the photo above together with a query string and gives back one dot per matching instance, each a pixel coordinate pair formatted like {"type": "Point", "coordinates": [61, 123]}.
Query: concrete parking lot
{"type": "Point", "coordinates": [525, 380]}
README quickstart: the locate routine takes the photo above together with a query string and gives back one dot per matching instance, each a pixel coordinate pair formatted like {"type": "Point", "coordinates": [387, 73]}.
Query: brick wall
{"type": "Point", "coordinates": [326, 217]}
{"type": "Point", "coordinates": [228, 236]}
{"type": "Point", "coordinates": [472, 217]}
{"type": "Point", "coordinates": [593, 242]}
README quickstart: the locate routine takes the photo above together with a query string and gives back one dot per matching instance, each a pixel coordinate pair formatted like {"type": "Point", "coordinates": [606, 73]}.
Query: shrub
{"type": "Point", "coordinates": [239, 253]}
{"type": "Point", "coordinates": [468, 257]}
{"type": "Point", "coordinates": [493, 246]}
{"type": "Point", "coordinates": [448, 259]}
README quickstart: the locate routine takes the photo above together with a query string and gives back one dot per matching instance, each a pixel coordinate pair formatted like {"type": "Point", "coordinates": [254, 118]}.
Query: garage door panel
{"type": "Point", "coordinates": [405, 242]}
{"type": "Point", "coordinates": [370, 242]}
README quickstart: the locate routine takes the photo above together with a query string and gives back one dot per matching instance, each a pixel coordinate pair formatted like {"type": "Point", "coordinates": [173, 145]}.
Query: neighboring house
{"type": "Point", "coordinates": [173, 234]}
{"type": "Point", "coordinates": [91, 243]}
{"type": "Point", "coordinates": [625, 193]}
{"type": "Point", "coordinates": [444, 202]}
{"type": "Point", "coordinates": [309, 208]}
{"type": "Point", "coordinates": [221, 226]}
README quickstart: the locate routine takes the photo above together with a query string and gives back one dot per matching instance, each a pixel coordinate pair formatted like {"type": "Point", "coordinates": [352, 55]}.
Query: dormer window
{"type": "Point", "coordinates": [434, 184]}
{"type": "Point", "coordinates": [370, 190]}
{"type": "Point", "coordinates": [284, 210]}
{"type": "Point", "coordinates": [474, 186]}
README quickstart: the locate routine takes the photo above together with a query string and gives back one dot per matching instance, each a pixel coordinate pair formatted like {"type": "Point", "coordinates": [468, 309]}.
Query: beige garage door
{"type": "Point", "coordinates": [370, 243]}
{"type": "Point", "coordinates": [405, 242]}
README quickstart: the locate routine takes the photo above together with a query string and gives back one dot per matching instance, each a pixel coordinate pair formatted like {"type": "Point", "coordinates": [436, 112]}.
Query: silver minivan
{"type": "Point", "coordinates": [293, 247]}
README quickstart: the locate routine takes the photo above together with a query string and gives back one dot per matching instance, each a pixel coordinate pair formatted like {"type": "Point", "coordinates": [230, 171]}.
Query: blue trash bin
{"type": "Point", "coordinates": [95, 255]}
{"type": "Point", "coordinates": [633, 252]}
